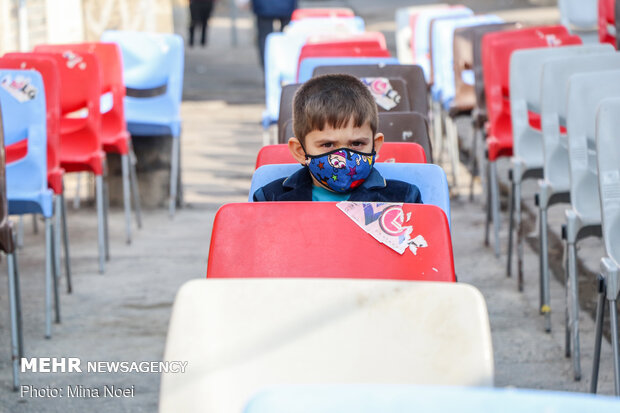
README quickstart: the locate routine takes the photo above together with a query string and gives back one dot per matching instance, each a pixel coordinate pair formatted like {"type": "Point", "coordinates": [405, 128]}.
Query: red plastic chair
{"type": "Point", "coordinates": [81, 148]}
{"type": "Point", "coordinates": [402, 152]}
{"type": "Point", "coordinates": [363, 39]}
{"type": "Point", "coordinates": [114, 134]}
{"type": "Point", "coordinates": [497, 48]}
{"type": "Point", "coordinates": [299, 14]}
{"type": "Point", "coordinates": [50, 73]}
{"type": "Point", "coordinates": [606, 21]}
{"type": "Point", "coordinates": [316, 239]}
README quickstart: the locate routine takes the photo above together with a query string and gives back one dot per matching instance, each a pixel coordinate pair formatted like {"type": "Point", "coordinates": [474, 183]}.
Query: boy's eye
{"type": "Point", "coordinates": [327, 145]}
{"type": "Point", "coordinates": [357, 144]}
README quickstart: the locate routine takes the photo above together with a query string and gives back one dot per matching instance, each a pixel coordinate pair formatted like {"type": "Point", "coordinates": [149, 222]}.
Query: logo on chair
{"type": "Point", "coordinates": [74, 60]}
{"type": "Point", "coordinates": [19, 87]}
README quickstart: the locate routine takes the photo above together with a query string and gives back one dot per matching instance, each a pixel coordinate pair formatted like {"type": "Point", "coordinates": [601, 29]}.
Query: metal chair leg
{"type": "Point", "coordinates": [13, 311]}
{"type": "Point", "coordinates": [126, 196]}
{"type": "Point", "coordinates": [511, 217]}
{"type": "Point", "coordinates": [57, 224]}
{"type": "Point", "coordinates": [473, 163]}
{"type": "Point", "coordinates": [20, 232]}
{"type": "Point", "coordinates": [20, 324]}
{"type": "Point", "coordinates": [65, 241]}
{"type": "Point", "coordinates": [48, 278]}
{"type": "Point", "coordinates": [100, 221]}
{"type": "Point", "coordinates": [487, 223]}
{"type": "Point", "coordinates": [567, 311]}
{"type": "Point", "coordinates": [494, 188]}
{"type": "Point", "coordinates": [573, 288]}
{"type": "Point", "coordinates": [613, 316]}
{"type": "Point", "coordinates": [106, 211]}
{"type": "Point", "coordinates": [598, 336]}
{"type": "Point", "coordinates": [174, 171]}
{"type": "Point", "coordinates": [35, 224]}
{"type": "Point", "coordinates": [55, 275]}
{"type": "Point", "coordinates": [519, 230]}
{"type": "Point", "coordinates": [76, 197]}
{"type": "Point", "coordinates": [135, 191]}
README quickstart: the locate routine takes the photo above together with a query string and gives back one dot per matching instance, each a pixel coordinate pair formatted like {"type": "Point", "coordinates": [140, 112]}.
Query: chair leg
{"type": "Point", "coordinates": [100, 221]}
{"type": "Point", "coordinates": [174, 171]}
{"type": "Point", "coordinates": [494, 188]}
{"type": "Point", "coordinates": [106, 211]}
{"type": "Point", "coordinates": [544, 250]}
{"type": "Point", "coordinates": [519, 230]}
{"type": "Point", "coordinates": [488, 206]}
{"type": "Point", "coordinates": [20, 232]}
{"type": "Point", "coordinates": [573, 288]}
{"type": "Point", "coordinates": [567, 311]}
{"type": "Point", "coordinates": [613, 313]}
{"type": "Point", "coordinates": [57, 241]}
{"type": "Point", "coordinates": [48, 278]}
{"type": "Point", "coordinates": [55, 273]}
{"type": "Point", "coordinates": [600, 316]}
{"type": "Point", "coordinates": [473, 163]}
{"type": "Point", "coordinates": [135, 191]}
{"type": "Point", "coordinates": [76, 197]}
{"type": "Point", "coordinates": [35, 224]}
{"type": "Point", "coordinates": [511, 217]}
{"type": "Point", "coordinates": [13, 311]}
{"type": "Point", "coordinates": [18, 297]}
{"type": "Point", "coordinates": [453, 147]}
{"type": "Point", "coordinates": [65, 241]}
{"type": "Point", "coordinates": [126, 196]}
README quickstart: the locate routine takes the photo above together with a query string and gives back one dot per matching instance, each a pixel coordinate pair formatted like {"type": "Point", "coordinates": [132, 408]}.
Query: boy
{"type": "Point", "coordinates": [335, 124]}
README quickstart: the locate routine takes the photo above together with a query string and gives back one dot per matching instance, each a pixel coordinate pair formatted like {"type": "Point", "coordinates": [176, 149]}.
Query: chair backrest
{"type": "Point", "coordinates": [22, 96]}
{"type": "Point", "coordinates": [152, 72]}
{"type": "Point", "coordinates": [420, 41]}
{"type": "Point", "coordinates": [429, 178]}
{"type": "Point", "coordinates": [585, 92]}
{"type": "Point", "coordinates": [239, 336]}
{"type": "Point", "coordinates": [308, 65]}
{"type": "Point", "coordinates": [310, 51]}
{"type": "Point", "coordinates": [580, 17]}
{"type": "Point", "coordinates": [6, 238]}
{"type": "Point", "coordinates": [48, 68]}
{"type": "Point", "coordinates": [607, 154]}
{"type": "Point", "coordinates": [282, 53]}
{"type": "Point", "coordinates": [404, 152]}
{"type": "Point", "coordinates": [607, 21]}
{"type": "Point", "coordinates": [497, 49]}
{"type": "Point", "coordinates": [300, 14]}
{"type": "Point", "coordinates": [286, 109]}
{"type": "Point", "coordinates": [406, 127]}
{"type": "Point", "coordinates": [442, 53]}
{"type": "Point", "coordinates": [525, 94]}
{"type": "Point", "coordinates": [412, 74]}
{"type": "Point", "coordinates": [404, 17]}
{"type": "Point", "coordinates": [555, 76]}
{"type": "Point", "coordinates": [366, 398]}
{"type": "Point", "coordinates": [286, 239]}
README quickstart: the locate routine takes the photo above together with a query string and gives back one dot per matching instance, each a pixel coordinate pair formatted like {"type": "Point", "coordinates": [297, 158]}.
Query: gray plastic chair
{"type": "Point", "coordinates": [554, 187]}
{"type": "Point", "coordinates": [608, 154]}
{"type": "Point", "coordinates": [527, 160]}
{"type": "Point", "coordinates": [580, 17]}
{"type": "Point", "coordinates": [585, 92]}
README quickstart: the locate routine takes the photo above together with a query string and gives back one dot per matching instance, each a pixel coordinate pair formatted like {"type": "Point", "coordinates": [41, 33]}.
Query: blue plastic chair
{"type": "Point", "coordinates": [308, 65]}
{"type": "Point", "coordinates": [282, 53]}
{"type": "Point", "coordinates": [421, 34]}
{"type": "Point", "coordinates": [153, 73]}
{"type": "Point", "coordinates": [22, 97]}
{"type": "Point", "coordinates": [429, 178]}
{"type": "Point", "coordinates": [392, 398]}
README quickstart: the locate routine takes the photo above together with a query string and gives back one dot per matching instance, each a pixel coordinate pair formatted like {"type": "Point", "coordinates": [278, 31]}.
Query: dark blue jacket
{"type": "Point", "coordinates": [298, 187]}
{"type": "Point", "coordinates": [274, 8]}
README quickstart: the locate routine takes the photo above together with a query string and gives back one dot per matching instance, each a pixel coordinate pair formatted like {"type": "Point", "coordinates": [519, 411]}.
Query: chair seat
{"type": "Point", "coordinates": [499, 141]}
{"type": "Point", "coordinates": [79, 162]}
{"type": "Point", "coordinates": [30, 202]}
{"type": "Point", "coordinates": [115, 141]}
{"type": "Point", "coordinates": [151, 116]}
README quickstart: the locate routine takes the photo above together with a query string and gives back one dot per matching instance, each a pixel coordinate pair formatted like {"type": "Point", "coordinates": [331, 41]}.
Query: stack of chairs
{"type": "Point", "coordinates": [63, 108]}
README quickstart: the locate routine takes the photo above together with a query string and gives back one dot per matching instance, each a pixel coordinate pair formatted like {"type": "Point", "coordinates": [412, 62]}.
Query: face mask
{"type": "Point", "coordinates": [341, 170]}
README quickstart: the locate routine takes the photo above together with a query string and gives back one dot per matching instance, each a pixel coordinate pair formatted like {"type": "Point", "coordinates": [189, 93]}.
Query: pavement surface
{"type": "Point", "coordinates": [123, 315]}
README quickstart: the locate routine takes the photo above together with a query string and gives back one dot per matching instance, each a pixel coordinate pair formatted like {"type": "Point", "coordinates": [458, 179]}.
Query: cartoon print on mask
{"type": "Point", "coordinates": [338, 159]}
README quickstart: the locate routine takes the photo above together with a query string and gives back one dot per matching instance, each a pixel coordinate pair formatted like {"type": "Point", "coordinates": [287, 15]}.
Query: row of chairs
{"type": "Point", "coordinates": [64, 108]}
{"type": "Point", "coordinates": [541, 114]}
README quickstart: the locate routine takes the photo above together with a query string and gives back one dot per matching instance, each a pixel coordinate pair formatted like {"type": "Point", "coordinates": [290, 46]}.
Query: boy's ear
{"type": "Point", "coordinates": [378, 141]}
{"type": "Point", "coordinates": [294, 146]}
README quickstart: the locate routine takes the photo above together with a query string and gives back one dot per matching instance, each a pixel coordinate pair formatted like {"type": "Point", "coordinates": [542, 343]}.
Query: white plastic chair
{"type": "Point", "coordinates": [527, 161]}
{"type": "Point", "coordinates": [608, 154]}
{"type": "Point", "coordinates": [585, 92]}
{"type": "Point", "coordinates": [240, 335]}
{"type": "Point", "coordinates": [580, 17]}
{"type": "Point", "coordinates": [554, 187]}
{"type": "Point", "coordinates": [404, 32]}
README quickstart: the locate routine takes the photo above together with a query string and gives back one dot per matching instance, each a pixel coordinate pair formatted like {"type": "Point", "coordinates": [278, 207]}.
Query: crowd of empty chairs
{"type": "Point", "coordinates": [289, 298]}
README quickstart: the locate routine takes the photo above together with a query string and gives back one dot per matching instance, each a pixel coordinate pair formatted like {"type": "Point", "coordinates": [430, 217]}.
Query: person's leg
{"type": "Point", "coordinates": [204, 18]}
{"type": "Point", "coordinates": [264, 26]}
{"type": "Point", "coordinates": [284, 21]}
{"type": "Point", "coordinates": [192, 23]}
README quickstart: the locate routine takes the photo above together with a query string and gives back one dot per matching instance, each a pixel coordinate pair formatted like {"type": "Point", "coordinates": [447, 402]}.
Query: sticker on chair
{"type": "Point", "coordinates": [383, 92]}
{"type": "Point", "coordinates": [386, 222]}
{"type": "Point", "coordinates": [74, 60]}
{"type": "Point", "coordinates": [19, 87]}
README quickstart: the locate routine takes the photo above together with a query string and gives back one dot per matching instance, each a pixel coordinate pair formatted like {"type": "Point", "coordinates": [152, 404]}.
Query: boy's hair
{"type": "Point", "coordinates": [332, 100]}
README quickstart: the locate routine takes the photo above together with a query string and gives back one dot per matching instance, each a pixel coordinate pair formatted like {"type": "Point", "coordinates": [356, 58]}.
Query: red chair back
{"type": "Point", "coordinates": [402, 152]}
{"type": "Point", "coordinates": [317, 239]}
{"type": "Point", "coordinates": [606, 20]}
{"type": "Point", "coordinates": [48, 68]}
{"type": "Point", "coordinates": [80, 136]}
{"type": "Point", "coordinates": [115, 136]}
{"type": "Point", "coordinates": [299, 14]}
{"type": "Point", "coordinates": [497, 47]}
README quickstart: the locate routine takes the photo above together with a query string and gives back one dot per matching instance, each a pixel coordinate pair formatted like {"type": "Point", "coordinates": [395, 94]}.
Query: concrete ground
{"type": "Point", "coordinates": [123, 314]}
